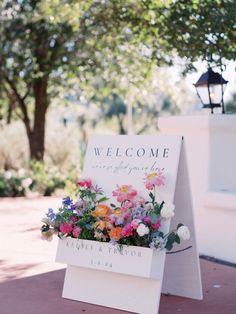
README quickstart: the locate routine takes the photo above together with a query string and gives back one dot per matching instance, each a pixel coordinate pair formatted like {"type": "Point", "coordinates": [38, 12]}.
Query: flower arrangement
{"type": "Point", "coordinates": [132, 220]}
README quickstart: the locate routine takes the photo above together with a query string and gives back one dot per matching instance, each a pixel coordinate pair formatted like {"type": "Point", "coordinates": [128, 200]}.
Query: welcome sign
{"type": "Point", "coordinates": [112, 160]}
{"type": "Point", "coordinates": [92, 269]}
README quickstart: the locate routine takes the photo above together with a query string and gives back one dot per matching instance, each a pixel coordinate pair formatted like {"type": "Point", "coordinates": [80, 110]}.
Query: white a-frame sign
{"type": "Point", "coordinates": [117, 160]}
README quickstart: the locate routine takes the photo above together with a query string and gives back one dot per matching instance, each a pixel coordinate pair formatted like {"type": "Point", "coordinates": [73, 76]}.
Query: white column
{"type": "Point", "coordinates": [211, 157]}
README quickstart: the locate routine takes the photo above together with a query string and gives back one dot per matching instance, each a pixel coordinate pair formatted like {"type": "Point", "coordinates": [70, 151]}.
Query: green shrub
{"type": "Point", "coordinates": [38, 179]}
{"type": "Point", "coordinates": [12, 184]}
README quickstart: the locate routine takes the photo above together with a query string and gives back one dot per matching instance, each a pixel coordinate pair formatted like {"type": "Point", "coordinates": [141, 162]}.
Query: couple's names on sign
{"type": "Point", "coordinates": [97, 248]}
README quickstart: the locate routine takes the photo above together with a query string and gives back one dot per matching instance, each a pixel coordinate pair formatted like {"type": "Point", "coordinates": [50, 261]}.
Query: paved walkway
{"type": "Point", "coordinates": [31, 282]}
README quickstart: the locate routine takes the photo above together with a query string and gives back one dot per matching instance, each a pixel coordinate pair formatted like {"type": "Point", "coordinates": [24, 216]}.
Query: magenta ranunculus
{"type": "Point", "coordinates": [65, 227]}
{"type": "Point", "coordinates": [127, 231]}
{"type": "Point", "coordinates": [157, 225]}
{"type": "Point", "coordinates": [85, 183]}
{"type": "Point", "coordinates": [147, 220]}
{"type": "Point", "coordinates": [76, 232]}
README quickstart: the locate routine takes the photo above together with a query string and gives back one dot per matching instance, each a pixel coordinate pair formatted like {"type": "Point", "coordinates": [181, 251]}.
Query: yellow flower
{"type": "Point", "coordinates": [118, 212]}
{"type": "Point", "coordinates": [101, 225]}
{"type": "Point", "coordinates": [124, 188]}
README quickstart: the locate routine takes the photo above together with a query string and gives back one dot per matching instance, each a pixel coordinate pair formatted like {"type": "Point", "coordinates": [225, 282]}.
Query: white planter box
{"type": "Point", "coordinates": [131, 260]}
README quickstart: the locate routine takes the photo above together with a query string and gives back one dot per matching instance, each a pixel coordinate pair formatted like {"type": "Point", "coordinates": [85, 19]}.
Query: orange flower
{"type": "Point", "coordinates": [101, 211]}
{"type": "Point", "coordinates": [101, 225]}
{"type": "Point", "coordinates": [115, 233]}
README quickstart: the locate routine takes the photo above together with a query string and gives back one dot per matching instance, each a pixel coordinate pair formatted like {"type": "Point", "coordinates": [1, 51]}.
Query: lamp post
{"type": "Point", "coordinates": [210, 89]}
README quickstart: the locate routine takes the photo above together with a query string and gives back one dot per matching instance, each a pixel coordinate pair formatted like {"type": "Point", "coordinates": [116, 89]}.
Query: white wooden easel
{"type": "Point", "coordinates": [180, 272]}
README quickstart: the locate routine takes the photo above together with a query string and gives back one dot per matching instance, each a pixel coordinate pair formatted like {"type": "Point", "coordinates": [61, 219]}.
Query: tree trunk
{"type": "Point", "coordinates": [121, 125]}
{"type": "Point", "coordinates": [37, 136]}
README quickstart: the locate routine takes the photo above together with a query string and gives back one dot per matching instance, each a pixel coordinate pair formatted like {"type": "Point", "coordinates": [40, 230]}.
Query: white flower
{"type": "Point", "coordinates": [26, 182]}
{"type": "Point", "coordinates": [142, 230]}
{"type": "Point", "coordinates": [46, 221]}
{"type": "Point", "coordinates": [167, 210]}
{"type": "Point", "coordinates": [47, 235]}
{"type": "Point", "coordinates": [183, 233]}
{"type": "Point", "coordinates": [148, 206]}
{"type": "Point", "coordinates": [8, 175]}
{"type": "Point", "coordinates": [21, 172]}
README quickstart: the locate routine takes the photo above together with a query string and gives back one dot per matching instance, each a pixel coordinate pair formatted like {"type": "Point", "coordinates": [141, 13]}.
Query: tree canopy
{"type": "Point", "coordinates": [200, 29]}
{"type": "Point", "coordinates": [108, 45]}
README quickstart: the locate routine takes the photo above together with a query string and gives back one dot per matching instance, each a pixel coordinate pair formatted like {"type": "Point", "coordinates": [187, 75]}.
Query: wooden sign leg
{"type": "Point", "coordinates": [128, 293]}
{"type": "Point", "coordinates": [182, 275]}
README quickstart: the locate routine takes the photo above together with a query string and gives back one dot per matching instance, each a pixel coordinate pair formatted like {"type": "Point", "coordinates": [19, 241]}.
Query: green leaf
{"type": "Point", "coordinates": [170, 241]}
{"type": "Point", "coordinates": [179, 225]}
{"type": "Point", "coordinates": [103, 199]}
{"type": "Point", "coordinates": [151, 196]}
{"type": "Point", "coordinates": [177, 239]}
{"type": "Point", "coordinates": [169, 246]}
{"type": "Point", "coordinates": [157, 208]}
{"type": "Point", "coordinates": [154, 218]}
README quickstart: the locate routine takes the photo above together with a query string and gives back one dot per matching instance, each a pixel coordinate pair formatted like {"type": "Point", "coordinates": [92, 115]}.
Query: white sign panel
{"type": "Point", "coordinates": [112, 160]}
{"type": "Point", "coordinates": [131, 260]}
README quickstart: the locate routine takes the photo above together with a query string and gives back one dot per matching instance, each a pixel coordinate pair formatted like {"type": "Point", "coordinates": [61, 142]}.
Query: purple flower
{"type": "Point", "coordinates": [97, 189]}
{"type": "Point", "coordinates": [73, 207]}
{"type": "Point", "coordinates": [51, 215]}
{"type": "Point", "coordinates": [67, 201]}
{"type": "Point", "coordinates": [119, 221]}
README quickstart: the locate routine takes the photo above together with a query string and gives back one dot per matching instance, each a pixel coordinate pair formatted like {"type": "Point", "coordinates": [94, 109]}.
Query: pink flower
{"type": "Point", "coordinates": [154, 178]}
{"type": "Point", "coordinates": [85, 183]}
{"type": "Point", "coordinates": [65, 227]}
{"type": "Point", "coordinates": [74, 219]}
{"type": "Point", "coordinates": [124, 193]}
{"type": "Point", "coordinates": [127, 230]}
{"type": "Point", "coordinates": [112, 219]}
{"type": "Point", "coordinates": [76, 232]}
{"type": "Point", "coordinates": [147, 220]}
{"type": "Point", "coordinates": [156, 226]}
{"type": "Point", "coordinates": [126, 215]}
{"type": "Point", "coordinates": [128, 204]}
{"type": "Point", "coordinates": [135, 223]}
{"type": "Point", "coordinates": [139, 201]}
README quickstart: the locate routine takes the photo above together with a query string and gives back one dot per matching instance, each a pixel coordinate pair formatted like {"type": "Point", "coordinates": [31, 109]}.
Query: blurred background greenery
{"type": "Point", "coordinates": [69, 68]}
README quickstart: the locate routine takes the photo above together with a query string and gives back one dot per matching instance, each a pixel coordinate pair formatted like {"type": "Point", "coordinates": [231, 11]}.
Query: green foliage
{"type": "Point", "coordinates": [203, 29]}
{"type": "Point", "coordinates": [38, 180]}
{"type": "Point", "coordinates": [111, 46]}
{"type": "Point", "coordinates": [11, 186]}
{"type": "Point", "coordinates": [230, 106]}
{"type": "Point", "coordinates": [45, 181]}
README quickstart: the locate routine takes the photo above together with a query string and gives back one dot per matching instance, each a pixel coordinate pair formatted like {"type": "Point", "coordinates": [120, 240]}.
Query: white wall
{"type": "Point", "coordinates": [211, 156]}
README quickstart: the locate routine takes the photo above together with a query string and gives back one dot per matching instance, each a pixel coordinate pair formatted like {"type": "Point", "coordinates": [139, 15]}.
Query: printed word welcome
{"type": "Point", "coordinates": [131, 152]}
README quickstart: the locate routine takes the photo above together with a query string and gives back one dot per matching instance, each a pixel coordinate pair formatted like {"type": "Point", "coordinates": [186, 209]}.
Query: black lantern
{"type": "Point", "coordinates": [210, 89]}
